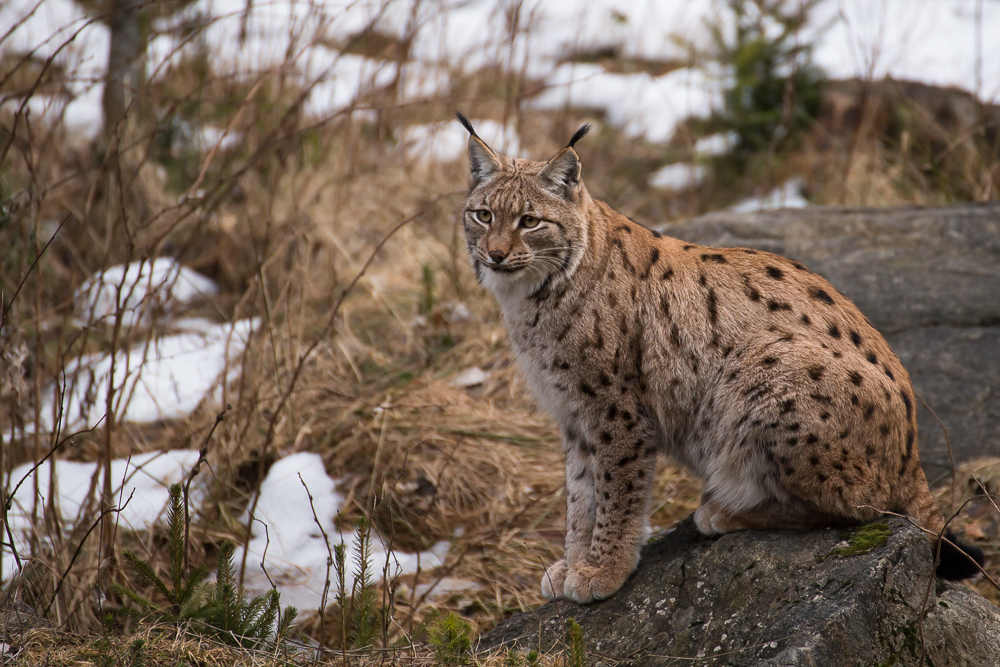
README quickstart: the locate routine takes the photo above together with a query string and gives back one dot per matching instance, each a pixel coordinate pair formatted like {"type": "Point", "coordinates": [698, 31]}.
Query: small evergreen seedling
{"type": "Point", "coordinates": [451, 639]}
{"type": "Point", "coordinates": [364, 621]}
{"type": "Point", "coordinates": [574, 644]}
{"type": "Point", "coordinates": [183, 595]}
{"type": "Point", "coordinates": [237, 620]}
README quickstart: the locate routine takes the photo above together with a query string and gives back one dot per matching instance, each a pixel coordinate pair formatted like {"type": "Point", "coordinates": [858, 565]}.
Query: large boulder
{"type": "Point", "coordinates": [840, 597]}
{"type": "Point", "coordinates": [929, 280]}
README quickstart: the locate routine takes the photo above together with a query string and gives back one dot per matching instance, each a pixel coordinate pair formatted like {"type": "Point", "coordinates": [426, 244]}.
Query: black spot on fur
{"type": "Point", "coordinates": [908, 403]}
{"type": "Point", "coordinates": [791, 442]}
{"type": "Point", "coordinates": [821, 477]}
{"type": "Point", "coordinates": [855, 378]}
{"type": "Point", "coordinates": [769, 361]}
{"type": "Point", "coordinates": [869, 411]}
{"type": "Point", "coordinates": [910, 438]}
{"type": "Point", "coordinates": [656, 234]}
{"type": "Point", "coordinates": [675, 336]}
{"type": "Point", "coordinates": [843, 434]}
{"type": "Point", "coordinates": [814, 460]}
{"type": "Point", "coordinates": [793, 427]}
{"type": "Point", "coordinates": [587, 389]}
{"type": "Point", "coordinates": [805, 319]}
{"type": "Point", "coordinates": [821, 398]}
{"type": "Point", "coordinates": [872, 359]}
{"type": "Point", "coordinates": [753, 294]}
{"type": "Point", "coordinates": [715, 257]}
{"type": "Point", "coordinates": [787, 405]}
{"type": "Point", "coordinates": [748, 251]}
{"type": "Point", "coordinates": [654, 257]}
{"type": "Point", "coordinates": [834, 331]}
{"type": "Point", "coordinates": [821, 295]}
{"type": "Point", "coordinates": [702, 280]}
{"type": "Point", "coordinates": [688, 247]}
{"type": "Point", "coordinates": [888, 373]}
{"type": "Point", "coordinates": [799, 265]}
{"type": "Point", "coordinates": [824, 416]}
{"type": "Point", "coordinates": [855, 338]}
{"type": "Point", "coordinates": [775, 272]}
{"type": "Point", "coordinates": [668, 274]}
{"type": "Point", "coordinates": [854, 400]}
{"type": "Point", "coordinates": [811, 439]}
{"type": "Point", "coordinates": [777, 305]}
{"type": "Point", "coordinates": [713, 307]}
{"type": "Point", "coordinates": [816, 372]}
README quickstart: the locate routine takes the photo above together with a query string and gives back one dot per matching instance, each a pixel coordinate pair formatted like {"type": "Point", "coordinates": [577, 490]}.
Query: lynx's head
{"type": "Point", "coordinates": [524, 220]}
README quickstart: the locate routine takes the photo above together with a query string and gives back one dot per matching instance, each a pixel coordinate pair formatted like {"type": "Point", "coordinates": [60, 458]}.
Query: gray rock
{"type": "Point", "coordinates": [929, 280]}
{"type": "Point", "coordinates": [775, 598]}
{"type": "Point", "coordinates": [16, 618]}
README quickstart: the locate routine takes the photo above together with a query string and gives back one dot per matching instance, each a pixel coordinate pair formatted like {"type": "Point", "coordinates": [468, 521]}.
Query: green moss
{"type": "Point", "coordinates": [863, 540]}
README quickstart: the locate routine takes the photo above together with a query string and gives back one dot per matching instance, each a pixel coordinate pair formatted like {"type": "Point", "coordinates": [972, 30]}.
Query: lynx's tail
{"type": "Point", "coordinates": [958, 560]}
{"type": "Point", "coordinates": [955, 560]}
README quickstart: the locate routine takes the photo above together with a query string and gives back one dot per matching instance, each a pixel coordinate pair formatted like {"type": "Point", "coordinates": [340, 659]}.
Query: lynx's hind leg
{"type": "Point", "coordinates": [713, 518]}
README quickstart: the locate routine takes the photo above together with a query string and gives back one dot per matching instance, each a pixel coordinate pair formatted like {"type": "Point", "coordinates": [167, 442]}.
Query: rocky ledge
{"type": "Point", "coordinates": [832, 597]}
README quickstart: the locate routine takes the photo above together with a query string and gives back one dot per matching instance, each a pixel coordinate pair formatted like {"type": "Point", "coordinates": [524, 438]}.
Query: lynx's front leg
{"type": "Point", "coordinates": [580, 514]}
{"type": "Point", "coordinates": [622, 470]}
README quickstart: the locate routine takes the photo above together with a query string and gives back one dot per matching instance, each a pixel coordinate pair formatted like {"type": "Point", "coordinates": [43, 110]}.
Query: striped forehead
{"type": "Point", "coordinates": [510, 197]}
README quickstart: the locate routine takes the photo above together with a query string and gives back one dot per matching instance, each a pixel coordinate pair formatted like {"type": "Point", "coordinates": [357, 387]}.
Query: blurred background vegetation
{"type": "Point", "coordinates": [314, 180]}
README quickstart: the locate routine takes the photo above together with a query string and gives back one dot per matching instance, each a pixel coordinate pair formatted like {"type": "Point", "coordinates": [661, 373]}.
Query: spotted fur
{"type": "Point", "coordinates": [744, 366]}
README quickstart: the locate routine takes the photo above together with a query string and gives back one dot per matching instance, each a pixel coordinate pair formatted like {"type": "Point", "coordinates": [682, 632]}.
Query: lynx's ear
{"type": "Point", "coordinates": [561, 174]}
{"type": "Point", "coordinates": [483, 162]}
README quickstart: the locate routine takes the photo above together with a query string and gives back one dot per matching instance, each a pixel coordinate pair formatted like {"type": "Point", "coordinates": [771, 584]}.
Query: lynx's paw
{"type": "Point", "coordinates": [586, 583]}
{"type": "Point", "coordinates": [552, 580]}
{"type": "Point", "coordinates": [710, 520]}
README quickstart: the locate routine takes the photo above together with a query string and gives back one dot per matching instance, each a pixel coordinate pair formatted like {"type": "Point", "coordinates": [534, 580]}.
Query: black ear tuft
{"type": "Point", "coordinates": [465, 122]}
{"type": "Point", "coordinates": [580, 134]}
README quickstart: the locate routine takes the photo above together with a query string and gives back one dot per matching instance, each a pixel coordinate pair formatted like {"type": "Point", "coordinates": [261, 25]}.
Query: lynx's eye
{"type": "Point", "coordinates": [484, 216]}
{"type": "Point", "coordinates": [529, 221]}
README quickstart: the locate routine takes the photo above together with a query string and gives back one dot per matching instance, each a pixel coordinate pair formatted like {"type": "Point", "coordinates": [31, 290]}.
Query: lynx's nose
{"type": "Point", "coordinates": [497, 256]}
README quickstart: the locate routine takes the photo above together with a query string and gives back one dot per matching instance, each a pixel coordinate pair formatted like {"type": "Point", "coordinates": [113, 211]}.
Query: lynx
{"type": "Point", "coordinates": [745, 367]}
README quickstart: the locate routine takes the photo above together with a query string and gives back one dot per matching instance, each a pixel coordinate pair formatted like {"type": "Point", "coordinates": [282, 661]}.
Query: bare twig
{"type": "Point", "coordinates": [202, 455]}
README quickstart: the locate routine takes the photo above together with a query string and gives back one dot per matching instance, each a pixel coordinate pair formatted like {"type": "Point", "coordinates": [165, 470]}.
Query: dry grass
{"type": "Point", "coordinates": [283, 221]}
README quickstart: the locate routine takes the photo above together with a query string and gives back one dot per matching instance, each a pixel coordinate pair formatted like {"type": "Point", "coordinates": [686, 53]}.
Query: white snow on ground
{"type": "Point", "coordinates": [296, 552]}
{"type": "Point", "coordinates": [142, 290]}
{"type": "Point", "coordinates": [164, 379]}
{"type": "Point", "coordinates": [444, 142]}
{"type": "Point", "coordinates": [716, 144]}
{"type": "Point", "coordinates": [677, 176]}
{"type": "Point", "coordinates": [641, 104]}
{"type": "Point", "coordinates": [789, 195]}
{"type": "Point", "coordinates": [146, 478]}
{"type": "Point", "coordinates": [934, 41]}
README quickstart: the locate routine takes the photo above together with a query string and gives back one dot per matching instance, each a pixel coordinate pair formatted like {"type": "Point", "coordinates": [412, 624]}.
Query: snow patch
{"type": "Point", "coordinates": [788, 195]}
{"type": "Point", "coordinates": [678, 176]}
{"type": "Point", "coordinates": [164, 379]}
{"type": "Point", "coordinates": [296, 553]}
{"type": "Point", "coordinates": [641, 104]}
{"type": "Point", "coordinates": [145, 478]}
{"type": "Point", "coordinates": [142, 290]}
{"type": "Point", "coordinates": [716, 144]}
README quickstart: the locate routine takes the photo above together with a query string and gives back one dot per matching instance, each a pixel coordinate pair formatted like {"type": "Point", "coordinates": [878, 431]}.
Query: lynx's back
{"type": "Point", "coordinates": [745, 366]}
